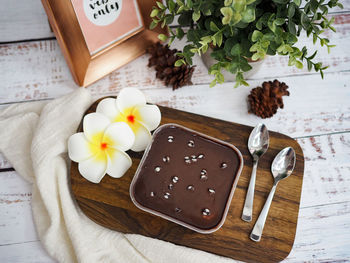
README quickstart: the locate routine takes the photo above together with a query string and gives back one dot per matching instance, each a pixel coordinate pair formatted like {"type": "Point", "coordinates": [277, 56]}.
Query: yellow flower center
{"type": "Point", "coordinates": [131, 116]}
{"type": "Point", "coordinates": [100, 146]}
{"type": "Point", "coordinates": [104, 146]}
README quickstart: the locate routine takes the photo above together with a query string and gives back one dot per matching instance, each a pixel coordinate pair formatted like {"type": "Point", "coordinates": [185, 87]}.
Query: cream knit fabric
{"type": "Point", "coordinates": [34, 139]}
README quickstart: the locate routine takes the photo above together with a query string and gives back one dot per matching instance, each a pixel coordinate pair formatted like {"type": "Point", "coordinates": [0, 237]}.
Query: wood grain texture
{"type": "Point", "coordinates": [50, 76]}
{"type": "Point", "coordinates": [23, 20]}
{"type": "Point", "coordinates": [304, 110]}
{"type": "Point", "coordinates": [109, 204]}
{"type": "Point", "coordinates": [29, 252]}
{"type": "Point", "coordinates": [327, 169]}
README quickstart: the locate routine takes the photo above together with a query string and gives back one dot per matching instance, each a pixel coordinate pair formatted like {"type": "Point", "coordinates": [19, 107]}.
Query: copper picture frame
{"type": "Point", "coordinates": [86, 68]}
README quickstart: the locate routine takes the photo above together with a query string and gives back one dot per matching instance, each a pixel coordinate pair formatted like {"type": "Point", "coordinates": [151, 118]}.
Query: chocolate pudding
{"type": "Point", "coordinates": [187, 177]}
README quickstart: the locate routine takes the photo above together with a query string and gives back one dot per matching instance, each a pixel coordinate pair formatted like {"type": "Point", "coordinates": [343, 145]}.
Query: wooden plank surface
{"type": "Point", "coordinates": [35, 70]}
{"type": "Point", "coordinates": [51, 75]}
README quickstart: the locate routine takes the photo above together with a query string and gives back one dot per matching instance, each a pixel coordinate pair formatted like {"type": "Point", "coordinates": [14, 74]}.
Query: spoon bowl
{"type": "Point", "coordinates": [258, 141]}
{"type": "Point", "coordinates": [283, 164]}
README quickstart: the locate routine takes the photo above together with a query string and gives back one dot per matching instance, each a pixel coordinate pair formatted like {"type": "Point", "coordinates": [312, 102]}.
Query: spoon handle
{"type": "Point", "coordinates": [260, 223]}
{"type": "Point", "coordinates": [248, 204]}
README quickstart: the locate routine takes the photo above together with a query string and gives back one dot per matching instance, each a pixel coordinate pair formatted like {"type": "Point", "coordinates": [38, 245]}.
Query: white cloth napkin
{"type": "Point", "coordinates": [34, 139]}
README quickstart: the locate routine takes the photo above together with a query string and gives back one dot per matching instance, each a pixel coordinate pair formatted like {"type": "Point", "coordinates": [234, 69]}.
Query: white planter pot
{"type": "Point", "coordinates": [229, 77]}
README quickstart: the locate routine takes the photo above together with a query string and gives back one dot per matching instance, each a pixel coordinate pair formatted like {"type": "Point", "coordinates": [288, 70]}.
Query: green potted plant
{"type": "Point", "coordinates": [241, 31]}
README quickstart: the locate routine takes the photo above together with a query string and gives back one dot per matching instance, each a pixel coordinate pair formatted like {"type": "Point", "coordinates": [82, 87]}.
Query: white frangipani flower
{"type": "Point", "coordinates": [101, 147]}
{"type": "Point", "coordinates": [130, 107]}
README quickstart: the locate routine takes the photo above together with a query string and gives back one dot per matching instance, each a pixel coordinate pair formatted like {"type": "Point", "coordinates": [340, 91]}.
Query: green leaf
{"type": "Point", "coordinates": [169, 19]}
{"type": "Point", "coordinates": [226, 20]}
{"type": "Point", "coordinates": [254, 47]}
{"type": "Point", "coordinates": [213, 40]}
{"type": "Point", "coordinates": [196, 15]}
{"type": "Point", "coordinates": [189, 3]}
{"type": "Point", "coordinates": [213, 26]}
{"type": "Point", "coordinates": [218, 37]}
{"type": "Point", "coordinates": [321, 72]}
{"type": "Point", "coordinates": [154, 12]}
{"type": "Point", "coordinates": [309, 65]}
{"type": "Point", "coordinates": [269, 36]}
{"type": "Point", "coordinates": [213, 83]}
{"type": "Point", "coordinates": [185, 19]}
{"type": "Point", "coordinates": [152, 25]}
{"type": "Point", "coordinates": [281, 1]}
{"type": "Point", "coordinates": [298, 64]}
{"type": "Point", "coordinates": [313, 5]}
{"type": "Point", "coordinates": [305, 22]}
{"type": "Point", "coordinates": [291, 61]}
{"type": "Point", "coordinates": [340, 5]}
{"type": "Point", "coordinates": [236, 50]}
{"type": "Point", "coordinates": [312, 56]}
{"type": "Point", "coordinates": [262, 21]}
{"type": "Point", "coordinates": [227, 2]}
{"type": "Point", "coordinates": [292, 27]}
{"type": "Point", "coordinates": [226, 11]}
{"type": "Point", "coordinates": [291, 39]}
{"type": "Point", "coordinates": [279, 21]}
{"type": "Point", "coordinates": [171, 5]}
{"type": "Point", "coordinates": [257, 35]}
{"type": "Point", "coordinates": [239, 5]}
{"type": "Point", "coordinates": [256, 56]}
{"type": "Point", "coordinates": [236, 17]}
{"type": "Point", "coordinates": [206, 39]}
{"type": "Point", "coordinates": [229, 43]}
{"type": "Point", "coordinates": [245, 66]}
{"type": "Point", "coordinates": [271, 24]}
{"type": "Point", "coordinates": [179, 33]}
{"type": "Point", "coordinates": [219, 77]}
{"type": "Point", "coordinates": [204, 49]}
{"type": "Point", "coordinates": [297, 2]}
{"type": "Point", "coordinates": [181, 8]}
{"type": "Point", "coordinates": [179, 62]}
{"type": "Point", "coordinates": [162, 37]}
{"type": "Point", "coordinates": [248, 2]}
{"type": "Point", "coordinates": [248, 15]}
{"type": "Point", "coordinates": [291, 10]}
{"type": "Point", "coordinates": [160, 5]}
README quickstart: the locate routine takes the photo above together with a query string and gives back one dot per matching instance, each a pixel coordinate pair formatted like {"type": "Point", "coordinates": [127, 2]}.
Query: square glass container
{"type": "Point", "coordinates": [187, 177]}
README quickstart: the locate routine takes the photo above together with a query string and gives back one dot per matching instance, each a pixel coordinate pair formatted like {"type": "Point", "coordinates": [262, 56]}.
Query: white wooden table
{"type": "Point", "coordinates": [317, 115]}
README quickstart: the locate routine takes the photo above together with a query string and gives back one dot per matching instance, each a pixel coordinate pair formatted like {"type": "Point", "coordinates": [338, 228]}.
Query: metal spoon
{"type": "Point", "coordinates": [257, 144]}
{"type": "Point", "coordinates": [282, 167]}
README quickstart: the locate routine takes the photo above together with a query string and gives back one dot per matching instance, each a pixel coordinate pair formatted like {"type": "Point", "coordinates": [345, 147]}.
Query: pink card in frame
{"type": "Point", "coordinates": [104, 22]}
{"type": "Point", "coordinates": [105, 36]}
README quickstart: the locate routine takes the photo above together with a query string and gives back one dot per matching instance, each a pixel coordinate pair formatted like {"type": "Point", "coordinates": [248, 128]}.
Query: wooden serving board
{"type": "Point", "coordinates": [109, 203]}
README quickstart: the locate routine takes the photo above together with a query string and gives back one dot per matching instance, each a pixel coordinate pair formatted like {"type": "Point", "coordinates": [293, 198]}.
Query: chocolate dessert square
{"type": "Point", "coordinates": [187, 177]}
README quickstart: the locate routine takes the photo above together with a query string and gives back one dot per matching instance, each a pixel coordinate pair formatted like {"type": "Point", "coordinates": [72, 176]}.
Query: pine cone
{"type": "Point", "coordinates": [164, 60]}
{"type": "Point", "coordinates": [264, 101]}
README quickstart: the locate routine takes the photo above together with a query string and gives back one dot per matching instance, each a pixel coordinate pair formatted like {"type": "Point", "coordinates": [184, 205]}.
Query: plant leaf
{"type": "Point", "coordinates": [213, 26]}
{"type": "Point", "coordinates": [257, 35]}
{"type": "Point", "coordinates": [196, 15]}
{"type": "Point", "coordinates": [248, 15]}
{"type": "Point", "coordinates": [236, 50]}
{"type": "Point", "coordinates": [162, 37]}
{"type": "Point", "coordinates": [291, 10]}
